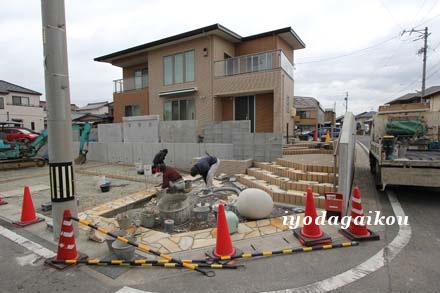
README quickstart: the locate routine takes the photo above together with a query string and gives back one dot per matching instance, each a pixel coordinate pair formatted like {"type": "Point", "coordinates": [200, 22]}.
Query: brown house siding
{"type": "Point", "coordinates": [287, 50]}
{"type": "Point", "coordinates": [227, 109]}
{"type": "Point", "coordinates": [264, 112]}
{"type": "Point", "coordinates": [255, 46]}
{"type": "Point", "coordinates": [139, 97]}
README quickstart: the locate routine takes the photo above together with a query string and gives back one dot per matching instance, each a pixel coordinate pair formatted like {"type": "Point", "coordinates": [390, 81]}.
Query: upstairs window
{"type": "Point", "coordinates": [2, 103]}
{"type": "Point", "coordinates": [178, 68]}
{"type": "Point", "coordinates": [20, 101]}
{"type": "Point", "coordinates": [141, 78]}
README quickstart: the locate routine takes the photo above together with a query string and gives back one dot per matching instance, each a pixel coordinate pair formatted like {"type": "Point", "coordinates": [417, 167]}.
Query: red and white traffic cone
{"type": "Point", "coordinates": [66, 243]}
{"type": "Point", "coordinates": [358, 230]}
{"type": "Point", "coordinates": [311, 233]}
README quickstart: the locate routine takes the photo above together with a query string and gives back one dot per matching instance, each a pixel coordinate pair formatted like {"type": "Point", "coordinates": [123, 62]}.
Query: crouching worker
{"type": "Point", "coordinates": [206, 166]}
{"type": "Point", "coordinates": [158, 160]}
{"type": "Point", "coordinates": [171, 179]}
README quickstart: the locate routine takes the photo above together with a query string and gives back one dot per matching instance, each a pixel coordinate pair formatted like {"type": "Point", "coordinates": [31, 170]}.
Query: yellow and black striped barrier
{"type": "Point", "coordinates": [145, 248]}
{"type": "Point", "coordinates": [142, 263]}
{"type": "Point", "coordinates": [289, 251]}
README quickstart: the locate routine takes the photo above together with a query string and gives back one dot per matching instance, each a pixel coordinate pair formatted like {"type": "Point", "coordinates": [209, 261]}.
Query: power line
{"type": "Point", "coordinates": [348, 54]}
{"type": "Point", "coordinates": [392, 16]}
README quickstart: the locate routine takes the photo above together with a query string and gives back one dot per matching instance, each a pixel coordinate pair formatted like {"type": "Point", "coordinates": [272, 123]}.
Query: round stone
{"type": "Point", "coordinates": [254, 204]}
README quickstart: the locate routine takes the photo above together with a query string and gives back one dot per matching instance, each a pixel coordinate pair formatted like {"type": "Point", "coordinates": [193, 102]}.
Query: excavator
{"type": "Point", "coordinates": [20, 155]}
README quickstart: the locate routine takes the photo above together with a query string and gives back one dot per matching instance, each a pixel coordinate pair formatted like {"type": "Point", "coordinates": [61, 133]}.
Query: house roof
{"type": "Point", "coordinates": [405, 98]}
{"type": "Point", "coordinates": [6, 87]}
{"type": "Point", "coordinates": [410, 97]}
{"type": "Point", "coordinates": [216, 29]}
{"type": "Point", "coordinates": [368, 114]}
{"type": "Point", "coordinates": [93, 106]}
{"type": "Point", "coordinates": [305, 102]}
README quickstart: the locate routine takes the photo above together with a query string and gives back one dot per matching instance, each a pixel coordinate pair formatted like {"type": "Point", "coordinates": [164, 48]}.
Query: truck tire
{"type": "Point", "coordinates": [372, 164]}
{"type": "Point", "coordinates": [378, 175]}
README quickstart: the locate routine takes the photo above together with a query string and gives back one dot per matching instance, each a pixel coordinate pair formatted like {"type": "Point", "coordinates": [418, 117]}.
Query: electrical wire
{"type": "Point", "coordinates": [348, 54]}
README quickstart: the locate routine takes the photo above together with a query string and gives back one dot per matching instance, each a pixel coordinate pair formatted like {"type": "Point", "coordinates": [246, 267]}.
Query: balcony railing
{"type": "Point", "coordinates": [130, 84]}
{"type": "Point", "coordinates": [253, 63]}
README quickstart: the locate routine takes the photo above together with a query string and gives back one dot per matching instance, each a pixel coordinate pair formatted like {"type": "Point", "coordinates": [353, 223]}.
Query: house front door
{"type": "Point", "coordinates": [244, 109]}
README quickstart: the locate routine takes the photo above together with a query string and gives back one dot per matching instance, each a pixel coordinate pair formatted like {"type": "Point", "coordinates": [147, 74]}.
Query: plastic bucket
{"type": "Point", "coordinates": [124, 250]}
{"type": "Point", "coordinates": [201, 213]}
{"type": "Point", "coordinates": [147, 219]}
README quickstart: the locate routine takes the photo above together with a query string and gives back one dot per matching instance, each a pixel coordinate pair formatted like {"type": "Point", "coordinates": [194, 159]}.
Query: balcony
{"type": "Point", "coordinates": [253, 63]}
{"type": "Point", "coordinates": [130, 84]}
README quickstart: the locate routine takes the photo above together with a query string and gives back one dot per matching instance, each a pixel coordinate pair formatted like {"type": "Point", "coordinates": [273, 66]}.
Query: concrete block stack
{"type": "Point", "coordinates": [141, 129]}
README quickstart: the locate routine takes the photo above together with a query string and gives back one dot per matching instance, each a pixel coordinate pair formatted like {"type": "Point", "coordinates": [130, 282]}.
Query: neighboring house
{"type": "Point", "coordinates": [100, 108]}
{"type": "Point", "coordinates": [432, 96]}
{"type": "Point", "coordinates": [21, 106]}
{"type": "Point", "coordinates": [309, 113]}
{"type": "Point", "coordinates": [330, 117]}
{"type": "Point", "coordinates": [43, 104]}
{"type": "Point", "coordinates": [209, 74]}
{"type": "Point", "coordinates": [364, 118]}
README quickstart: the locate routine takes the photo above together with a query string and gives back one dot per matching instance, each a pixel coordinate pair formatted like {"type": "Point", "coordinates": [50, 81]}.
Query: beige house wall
{"type": "Point", "coordinates": [203, 81]}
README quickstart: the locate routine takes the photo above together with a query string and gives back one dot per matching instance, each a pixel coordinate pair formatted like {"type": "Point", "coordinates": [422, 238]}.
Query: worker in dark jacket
{"type": "Point", "coordinates": [206, 166]}
{"type": "Point", "coordinates": [158, 160]}
{"type": "Point", "coordinates": [171, 178]}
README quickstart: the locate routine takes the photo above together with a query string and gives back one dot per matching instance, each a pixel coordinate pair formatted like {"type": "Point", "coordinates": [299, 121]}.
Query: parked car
{"type": "Point", "coordinates": [14, 134]}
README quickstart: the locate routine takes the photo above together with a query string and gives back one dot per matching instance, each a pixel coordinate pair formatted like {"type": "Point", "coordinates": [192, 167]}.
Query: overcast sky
{"type": "Point", "coordinates": [351, 46]}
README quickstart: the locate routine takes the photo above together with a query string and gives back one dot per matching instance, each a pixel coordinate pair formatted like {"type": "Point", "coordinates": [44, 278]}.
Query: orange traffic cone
{"type": "Point", "coordinates": [310, 234]}
{"type": "Point", "coordinates": [223, 245]}
{"type": "Point", "coordinates": [2, 202]}
{"type": "Point", "coordinates": [66, 244]}
{"type": "Point", "coordinates": [28, 215]}
{"type": "Point", "coordinates": [358, 230]}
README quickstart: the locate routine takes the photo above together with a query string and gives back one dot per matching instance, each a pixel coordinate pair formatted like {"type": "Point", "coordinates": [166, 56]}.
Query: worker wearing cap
{"type": "Point", "coordinates": [158, 160]}
{"type": "Point", "coordinates": [171, 178]}
{"type": "Point", "coordinates": [206, 166]}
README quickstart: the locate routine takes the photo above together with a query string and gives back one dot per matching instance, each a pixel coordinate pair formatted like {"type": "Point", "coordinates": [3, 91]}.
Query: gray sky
{"type": "Point", "coordinates": [381, 64]}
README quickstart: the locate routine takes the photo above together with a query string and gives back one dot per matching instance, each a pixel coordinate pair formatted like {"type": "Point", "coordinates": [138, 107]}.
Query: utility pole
{"type": "Point", "coordinates": [59, 120]}
{"type": "Point", "coordinates": [422, 34]}
{"type": "Point", "coordinates": [346, 102]}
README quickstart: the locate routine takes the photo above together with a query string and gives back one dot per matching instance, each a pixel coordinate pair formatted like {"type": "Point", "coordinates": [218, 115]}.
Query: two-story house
{"type": "Point", "coordinates": [209, 74]}
{"type": "Point", "coordinates": [21, 106]}
{"type": "Point", "coordinates": [309, 113]}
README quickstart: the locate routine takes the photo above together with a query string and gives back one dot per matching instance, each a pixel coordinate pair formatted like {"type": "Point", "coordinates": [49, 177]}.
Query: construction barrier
{"type": "Point", "coordinates": [145, 248]}
{"type": "Point", "coordinates": [290, 250]}
{"type": "Point", "coordinates": [143, 263]}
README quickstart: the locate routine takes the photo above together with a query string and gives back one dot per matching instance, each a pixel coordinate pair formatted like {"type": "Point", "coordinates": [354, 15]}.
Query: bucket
{"type": "Point", "coordinates": [147, 219]}
{"type": "Point", "coordinates": [139, 167]}
{"type": "Point", "coordinates": [124, 250]}
{"type": "Point", "coordinates": [168, 226]}
{"type": "Point", "coordinates": [201, 213]}
{"type": "Point", "coordinates": [110, 240]}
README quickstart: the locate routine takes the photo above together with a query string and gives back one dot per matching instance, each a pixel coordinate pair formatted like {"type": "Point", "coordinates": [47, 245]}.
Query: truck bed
{"type": "Point", "coordinates": [423, 155]}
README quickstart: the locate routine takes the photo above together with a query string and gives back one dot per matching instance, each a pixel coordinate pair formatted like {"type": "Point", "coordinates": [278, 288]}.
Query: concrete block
{"type": "Point", "coordinates": [93, 136]}
{"type": "Point", "coordinates": [120, 152]}
{"type": "Point", "coordinates": [98, 152]}
{"type": "Point", "coordinates": [178, 131]}
{"type": "Point", "coordinates": [138, 154]}
{"type": "Point", "coordinates": [141, 129]}
{"type": "Point", "coordinates": [110, 132]}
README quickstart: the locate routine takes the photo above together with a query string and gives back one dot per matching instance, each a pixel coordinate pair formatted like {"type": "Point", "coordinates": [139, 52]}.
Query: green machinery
{"type": "Point", "coordinates": [17, 155]}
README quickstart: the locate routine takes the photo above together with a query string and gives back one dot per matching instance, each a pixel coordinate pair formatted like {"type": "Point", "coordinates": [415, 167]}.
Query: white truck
{"type": "Point", "coordinates": [405, 147]}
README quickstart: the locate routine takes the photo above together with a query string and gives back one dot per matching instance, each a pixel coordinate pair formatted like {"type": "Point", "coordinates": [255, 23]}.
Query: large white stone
{"type": "Point", "coordinates": [254, 204]}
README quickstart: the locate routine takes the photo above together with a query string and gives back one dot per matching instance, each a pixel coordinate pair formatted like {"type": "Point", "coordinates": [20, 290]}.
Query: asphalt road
{"type": "Point", "coordinates": [417, 267]}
